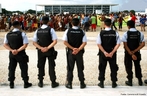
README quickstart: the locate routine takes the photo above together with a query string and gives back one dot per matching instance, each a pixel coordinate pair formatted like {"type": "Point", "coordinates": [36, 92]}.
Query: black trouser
{"type": "Point", "coordinates": [120, 25]}
{"type": "Point", "coordinates": [128, 65]}
{"type": "Point", "coordinates": [113, 25]}
{"type": "Point", "coordinates": [10, 25]}
{"type": "Point", "coordinates": [86, 26]}
{"type": "Point", "coordinates": [41, 66]}
{"type": "Point", "coordinates": [78, 58]}
{"type": "Point", "coordinates": [22, 64]}
{"type": "Point", "coordinates": [22, 26]}
{"type": "Point", "coordinates": [102, 67]}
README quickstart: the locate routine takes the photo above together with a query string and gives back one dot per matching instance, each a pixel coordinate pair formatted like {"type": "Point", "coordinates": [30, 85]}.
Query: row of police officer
{"type": "Point", "coordinates": [45, 39]}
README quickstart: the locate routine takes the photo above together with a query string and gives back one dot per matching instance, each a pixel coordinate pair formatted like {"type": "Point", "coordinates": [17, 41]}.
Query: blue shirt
{"type": "Point", "coordinates": [98, 40]}
{"type": "Point", "coordinates": [24, 37]}
{"type": "Point", "coordinates": [143, 20]}
{"type": "Point", "coordinates": [86, 19]}
{"type": "Point", "coordinates": [74, 27]}
{"type": "Point", "coordinates": [125, 37]}
{"type": "Point", "coordinates": [53, 33]}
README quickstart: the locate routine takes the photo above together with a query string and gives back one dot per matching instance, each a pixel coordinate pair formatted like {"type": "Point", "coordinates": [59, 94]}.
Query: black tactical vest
{"type": "Point", "coordinates": [75, 37]}
{"type": "Point", "coordinates": [108, 39]}
{"type": "Point", "coordinates": [15, 40]}
{"type": "Point", "coordinates": [44, 37]}
{"type": "Point", "coordinates": [133, 39]}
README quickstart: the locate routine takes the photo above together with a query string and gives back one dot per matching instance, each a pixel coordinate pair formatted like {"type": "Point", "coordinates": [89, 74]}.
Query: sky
{"type": "Point", "coordinates": [24, 5]}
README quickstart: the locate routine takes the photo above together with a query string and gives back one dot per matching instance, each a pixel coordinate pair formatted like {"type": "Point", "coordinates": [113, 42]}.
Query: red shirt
{"type": "Point", "coordinates": [133, 18]}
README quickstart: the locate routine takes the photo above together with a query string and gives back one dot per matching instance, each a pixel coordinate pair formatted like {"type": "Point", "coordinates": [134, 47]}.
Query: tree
{"type": "Point", "coordinates": [31, 11]}
{"type": "Point", "coordinates": [132, 11]}
{"type": "Point", "coordinates": [18, 12]}
{"type": "Point", "coordinates": [4, 11]}
{"type": "Point", "coordinates": [126, 11]}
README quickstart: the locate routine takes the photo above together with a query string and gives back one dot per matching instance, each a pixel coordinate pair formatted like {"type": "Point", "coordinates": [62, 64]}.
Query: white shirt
{"type": "Point", "coordinates": [74, 27]}
{"type": "Point", "coordinates": [53, 33]}
{"type": "Point", "coordinates": [25, 38]}
{"type": "Point", "coordinates": [98, 40]}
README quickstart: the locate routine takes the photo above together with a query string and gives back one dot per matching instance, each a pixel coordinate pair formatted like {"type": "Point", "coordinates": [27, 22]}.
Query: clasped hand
{"type": "Point", "coordinates": [134, 57]}
{"type": "Point", "coordinates": [75, 51]}
{"type": "Point", "coordinates": [44, 49]}
{"type": "Point", "coordinates": [108, 54]}
{"type": "Point", "coordinates": [14, 52]}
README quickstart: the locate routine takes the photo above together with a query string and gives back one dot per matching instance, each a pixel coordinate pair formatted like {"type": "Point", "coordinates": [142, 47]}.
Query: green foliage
{"type": "Point", "coordinates": [126, 11]}
{"type": "Point", "coordinates": [30, 11]}
{"type": "Point", "coordinates": [4, 11]}
{"type": "Point", "coordinates": [132, 11]}
{"type": "Point", "coordinates": [18, 12]}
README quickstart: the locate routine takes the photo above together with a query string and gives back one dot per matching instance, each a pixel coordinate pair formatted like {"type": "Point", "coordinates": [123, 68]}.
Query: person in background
{"type": "Point", "coordinates": [102, 18]}
{"type": "Point", "coordinates": [120, 22]}
{"type": "Point", "coordinates": [86, 22]}
{"type": "Point", "coordinates": [113, 20]}
{"type": "Point", "coordinates": [133, 17]}
{"type": "Point", "coordinates": [93, 22]}
{"type": "Point", "coordinates": [142, 22]}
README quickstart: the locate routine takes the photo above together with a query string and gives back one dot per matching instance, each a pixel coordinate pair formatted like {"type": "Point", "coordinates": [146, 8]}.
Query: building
{"type": "Point", "coordinates": [0, 9]}
{"type": "Point", "coordinates": [146, 10]}
{"type": "Point", "coordinates": [77, 8]}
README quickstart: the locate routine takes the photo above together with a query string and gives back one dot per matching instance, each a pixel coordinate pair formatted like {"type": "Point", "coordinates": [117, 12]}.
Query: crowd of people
{"type": "Point", "coordinates": [61, 22]}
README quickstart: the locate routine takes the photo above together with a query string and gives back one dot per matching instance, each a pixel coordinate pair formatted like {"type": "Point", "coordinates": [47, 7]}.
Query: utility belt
{"type": "Point", "coordinates": [51, 53]}
{"type": "Point", "coordinates": [70, 50]}
{"type": "Point", "coordinates": [100, 53]}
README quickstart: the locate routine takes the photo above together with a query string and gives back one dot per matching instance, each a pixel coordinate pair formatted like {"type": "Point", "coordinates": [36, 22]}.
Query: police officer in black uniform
{"type": "Point", "coordinates": [44, 40]}
{"type": "Point", "coordinates": [75, 40]}
{"type": "Point", "coordinates": [133, 41]}
{"type": "Point", "coordinates": [16, 42]}
{"type": "Point", "coordinates": [108, 42]}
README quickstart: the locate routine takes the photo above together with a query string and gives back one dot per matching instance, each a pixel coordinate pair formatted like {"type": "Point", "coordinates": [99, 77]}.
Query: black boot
{"type": "Point", "coordinates": [11, 84]}
{"type": "Point", "coordinates": [145, 81]}
{"type": "Point", "coordinates": [82, 85]}
{"type": "Point", "coordinates": [68, 85]}
{"type": "Point", "coordinates": [55, 84]}
{"type": "Point", "coordinates": [27, 84]}
{"type": "Point", "coordinates": [101, 84]}
{"type": "Point", "coordinates": [129, 82]}
{"type": "Point", "coordinates": [140, 82]}
{"type": "Point", "coordinates": [114, 84]}
{"type": "Point", "coordinates": [40, 84]}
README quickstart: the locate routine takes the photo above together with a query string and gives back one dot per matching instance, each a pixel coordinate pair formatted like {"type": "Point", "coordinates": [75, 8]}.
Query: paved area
{"type": "Point", "coordinates": [91, 73]}
{"type": "Point", "coordinates": [76, 91]}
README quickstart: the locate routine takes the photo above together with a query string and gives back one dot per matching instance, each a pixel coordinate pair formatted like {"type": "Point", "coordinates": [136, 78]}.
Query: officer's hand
{"type": "Point", "coordinates": [134, 51]}
{"type": "Point", "coordinates": [106, 54]}
{"type": "Point", "coordinates": [110, 54]}
{"type": "Point", "coordinates": [44, 49]}
{"type": "Point", "coordinates": [134, 57]}
{"type": "Point", "coordinates": [14, 52]}
{"type": "Point", "coordinates": [75, 51]}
